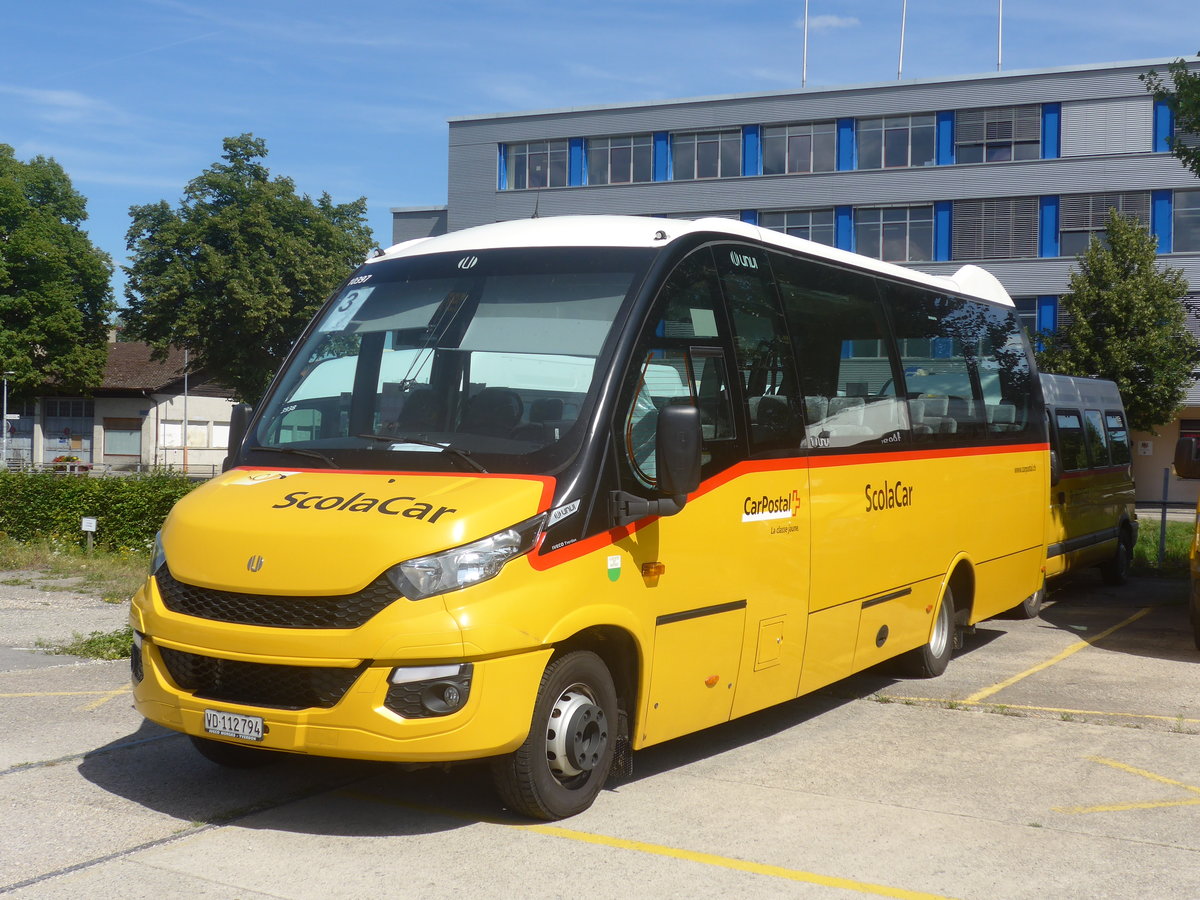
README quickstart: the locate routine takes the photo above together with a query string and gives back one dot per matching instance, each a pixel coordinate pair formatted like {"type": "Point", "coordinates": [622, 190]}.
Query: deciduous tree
{"type": "Point", "coordinates": [235, 272]}
{"type": "Point", "coordinates": [55, 297]}
{"type": "Point", "coordinates": [1126, 323]}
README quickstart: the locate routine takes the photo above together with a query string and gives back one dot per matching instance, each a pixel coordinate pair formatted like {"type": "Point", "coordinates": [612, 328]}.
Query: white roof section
{"type": "Point", "coordinates": [1159, 64]}
{"type": "Point", "coordinates": [656, 233]}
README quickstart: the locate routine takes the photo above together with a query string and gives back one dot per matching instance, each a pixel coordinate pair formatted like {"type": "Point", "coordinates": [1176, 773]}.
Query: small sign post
{"type": "Point", "coordinates": [88, 526]}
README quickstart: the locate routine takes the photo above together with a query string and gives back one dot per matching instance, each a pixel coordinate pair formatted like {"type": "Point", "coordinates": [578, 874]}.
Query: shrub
{"type": "Point", "coordinates": [46, 506]}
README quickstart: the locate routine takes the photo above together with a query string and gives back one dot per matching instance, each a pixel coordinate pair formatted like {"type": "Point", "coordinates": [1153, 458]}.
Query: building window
{"type": "Point", "coordinates": [1027, 314]}
{"type": "Point", "coordinates": [537, 165]}
{"type": "Point", "coordinates": [998, 135]}
{"type": "Point", "coordinates": [67, 425]}
{"type": "Point", "coordinates": [1185, 227]}
{"type": "Point", "coordinates": [895, 142]}
{"type": "Point", "coordinates": [1085, 215]}
{"type": "Point", "coordinates": [810, 224]}
{"type": "Point", "coordinates": [620, 160]}
{"type": "Point", "coordinates": [796, 149]}
{"type": "Point", "coordinates": [170, 434]}
{"type": "Point", "coordinates": [995, 229]}
{"type": "Point", "coordinates": [123, 437]}
{"type": "Point", "coordinates": [710, 154]}
{"type": "Point", "coordinates": [894, 234]}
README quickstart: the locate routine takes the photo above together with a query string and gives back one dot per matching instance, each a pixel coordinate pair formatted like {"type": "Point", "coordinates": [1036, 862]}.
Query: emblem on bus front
{"type": "Point", "coordinates": [254, 563]}
{"type": "Point", "coordinates": [468, 262]}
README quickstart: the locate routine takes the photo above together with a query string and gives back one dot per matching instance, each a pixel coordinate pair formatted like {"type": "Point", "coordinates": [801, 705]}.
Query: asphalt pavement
{"type": "Point", "coordinates": [1057, 757]}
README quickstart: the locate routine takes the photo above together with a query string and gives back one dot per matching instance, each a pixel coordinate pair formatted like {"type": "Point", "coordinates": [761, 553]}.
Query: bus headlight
{"type": "Point", "coordinates": [160, 557]}
{"type": "Point", "coordinates": [463, 566]}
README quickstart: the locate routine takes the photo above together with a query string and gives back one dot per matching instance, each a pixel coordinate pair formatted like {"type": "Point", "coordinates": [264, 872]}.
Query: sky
{"type": "Point", "coordinates": [133, 97]}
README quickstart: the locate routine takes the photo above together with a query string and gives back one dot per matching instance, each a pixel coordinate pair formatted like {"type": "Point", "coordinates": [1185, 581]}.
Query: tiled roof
{"type": "Point", "coordinates": [130, 367]}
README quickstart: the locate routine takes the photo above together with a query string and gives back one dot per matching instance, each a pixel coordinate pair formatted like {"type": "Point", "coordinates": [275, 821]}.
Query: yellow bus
{"type": "Point", "coordinates": [547, 492]}
{"type": "Point", "coordinates": [1092, 520]}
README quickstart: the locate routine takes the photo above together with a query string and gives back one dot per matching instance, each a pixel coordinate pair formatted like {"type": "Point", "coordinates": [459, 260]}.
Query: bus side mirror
{"type": "Point", "coordinates": [1186, 463]}
{"type": "Point", "coordinates": [677, 442]}
{"type": "Point", "coordinates": [239, 420]}
{"type": "Point", "coordinates": [1055, 469]}
{"type": "Point", "coordinates": [677, 451]}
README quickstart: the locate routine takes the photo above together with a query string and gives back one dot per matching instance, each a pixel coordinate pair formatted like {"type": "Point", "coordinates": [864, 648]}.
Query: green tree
{"type": "Point", "coordinates": [1183, 99]}
{"type": "Point", "coordinates": [237, 270]}
{"type": "Point", "coordinates": [1126, 324]}
{"type": "Point", "coordinates": [55, 296]}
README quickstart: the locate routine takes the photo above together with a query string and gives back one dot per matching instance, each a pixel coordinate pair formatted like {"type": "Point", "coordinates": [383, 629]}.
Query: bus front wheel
{"type": "Point", "coordinates": [566, 758]}
{"type": "Point", "coordinates": [931, 660]}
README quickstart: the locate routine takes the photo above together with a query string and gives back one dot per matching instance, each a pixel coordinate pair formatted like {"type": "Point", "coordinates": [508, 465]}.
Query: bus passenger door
{"type": "Point", "coordinates": [725, 618]}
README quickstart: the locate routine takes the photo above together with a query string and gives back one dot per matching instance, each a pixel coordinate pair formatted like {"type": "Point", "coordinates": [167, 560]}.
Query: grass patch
{"type": "Point", "coordinates": [97, 645]}
{"type": "Point", "coordinates": [1175, 557]}
{"type": "Point", "coordinates": [113, 576]}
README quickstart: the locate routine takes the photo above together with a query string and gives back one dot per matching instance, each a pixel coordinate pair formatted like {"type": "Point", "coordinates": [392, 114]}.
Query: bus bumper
{"type": "Point", "coordinates": [494, 719]}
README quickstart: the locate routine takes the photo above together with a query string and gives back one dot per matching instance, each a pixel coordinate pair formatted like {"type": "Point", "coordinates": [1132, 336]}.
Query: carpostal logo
{"type": "Point", "coordinates": [408, 507]}
{"type": "Point", "coordinates": [764, 508]}
{"type": "Point", "coordinates": [889, 496]}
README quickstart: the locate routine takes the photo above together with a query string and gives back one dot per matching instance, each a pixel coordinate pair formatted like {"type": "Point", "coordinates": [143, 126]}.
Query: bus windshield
{"type": "Point", "coordinates": [447, 362]}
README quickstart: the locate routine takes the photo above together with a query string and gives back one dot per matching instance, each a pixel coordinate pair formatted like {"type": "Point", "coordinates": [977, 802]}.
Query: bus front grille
{"type": "Point", "coordinates": [259, 684]}
{"type": "Point", "coordinates": [343, 611]}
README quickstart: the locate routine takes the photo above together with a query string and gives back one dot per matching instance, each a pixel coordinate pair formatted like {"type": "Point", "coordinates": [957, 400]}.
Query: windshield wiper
{"type": "Point", "coordinates": [421, 442]}
{"type": "Point", "coordinates": [298, 451]}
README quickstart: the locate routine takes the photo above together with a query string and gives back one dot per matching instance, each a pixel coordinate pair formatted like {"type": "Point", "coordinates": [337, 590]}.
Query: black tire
{"type": "Point", "coordinates": [233, 756]}
{"type": "Point", "coordinates": [1116, 570]}
{"type": "Point", "coordinates": [558, 772]}
{"type": "Point", "coordinates": [930, 660]}
{"type": "Point", "coordinates": [1030, 607]}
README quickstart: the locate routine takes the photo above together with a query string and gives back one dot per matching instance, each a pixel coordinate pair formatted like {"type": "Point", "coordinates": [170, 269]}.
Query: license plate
{"type": "Point", "coordinates": [234, 725]}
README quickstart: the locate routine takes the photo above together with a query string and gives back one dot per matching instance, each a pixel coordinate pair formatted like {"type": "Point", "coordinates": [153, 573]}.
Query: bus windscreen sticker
{"type": "Point", "coordinates": [346, 309]}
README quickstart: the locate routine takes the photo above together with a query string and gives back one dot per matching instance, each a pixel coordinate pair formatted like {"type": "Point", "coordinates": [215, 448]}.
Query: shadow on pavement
{"type": "Point", "coordinates": [1083, 605]}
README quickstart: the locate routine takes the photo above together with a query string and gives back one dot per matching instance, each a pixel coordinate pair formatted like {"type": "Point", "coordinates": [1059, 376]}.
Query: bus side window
{"type": "Point", "coordinates": [763, 351]}
{"type": "Point", "coordinates": [939, 340]}
{"type": "Point", "coordinates": [682, 360]}
{"type": "Point", "coordinates": [1097, 438]}
{"type": "Point", "coordinates": [1118, 438]}
{"type": "Point", "coordinates": [1072, 446]}
{"type": "Point", "coordinates": [846, 361]}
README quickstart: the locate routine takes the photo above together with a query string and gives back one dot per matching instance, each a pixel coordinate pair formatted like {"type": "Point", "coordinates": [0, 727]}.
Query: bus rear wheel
{"type": "Point", "coordinates": [1116, 570]}
{"type": "Point", "coordinates": [931, 660]}
{"type": "Point", "coordinates": [567, 756]}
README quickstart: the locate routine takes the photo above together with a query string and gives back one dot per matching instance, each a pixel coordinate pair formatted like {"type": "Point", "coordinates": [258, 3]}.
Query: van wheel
{"type": "Point", "coordinates": [1030, 606]}
{"type": "Point", "coordinates": [566, 758]}
{"type": "Point", "coordinates": [931, 660]}
{"type": "Point", "coordinates": [1116, 570]}
{"type": "Point", "coordinates": [233, 756]}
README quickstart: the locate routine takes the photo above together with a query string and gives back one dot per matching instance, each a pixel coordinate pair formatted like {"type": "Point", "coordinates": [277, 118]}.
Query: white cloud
{"type": "Point", "coordinates": [65, 107]}
{"type": "Point", "coordinates": [828, 23]}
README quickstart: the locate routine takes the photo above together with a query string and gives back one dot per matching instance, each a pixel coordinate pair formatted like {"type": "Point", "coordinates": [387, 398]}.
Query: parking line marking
{"type": "Point", "coordinates": [1054, 660]}
{"type": "Point", "coordinates": [28, 694]}
{"type": "Point", "coordinates": [1122, 807]}
{"type": "Point", "coordinates": [726, 862]}
{"type": "Point", "coordinates": [100, 701]}
{"type": "Point", "coordinates": [1178, 720]}
{"type": "Point", "coordinates": [710, 859]}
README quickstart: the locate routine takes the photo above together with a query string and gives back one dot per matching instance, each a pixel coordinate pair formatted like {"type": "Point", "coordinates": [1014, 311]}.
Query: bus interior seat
{"type": "Point", "coordinates": [422, 411]}
{"type": "Point", "coordinates": [493, 411]}
{"type": "Point", "coordinates": [1002, 417]}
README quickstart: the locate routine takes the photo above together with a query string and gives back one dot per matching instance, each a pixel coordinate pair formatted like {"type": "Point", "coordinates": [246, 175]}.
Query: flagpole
{"type": "Point", "coordinates": [903, 17]}
{"type": "Point", "coordinates": [804, 66]}
{"type": "Point", "coordinates": [999, 33]}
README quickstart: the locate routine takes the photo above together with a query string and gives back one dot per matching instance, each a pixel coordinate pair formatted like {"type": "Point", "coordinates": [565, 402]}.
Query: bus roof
{"type": "Point", "coordinates": [649, 232]}
{"type": "Point", "coordinates": [1072, 390]}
